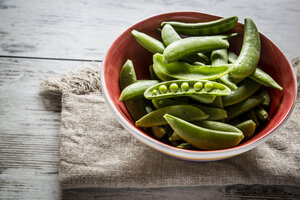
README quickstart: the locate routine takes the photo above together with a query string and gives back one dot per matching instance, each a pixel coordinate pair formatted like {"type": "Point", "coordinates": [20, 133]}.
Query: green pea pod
{"type": "Point", "coordinates": [261, 113]}
{"type": "Point", "coordinates": [127, 75]}
{"type": "Point", "coordinates": [135, 107]}
{"type": "Point", "coordinates": [218, 102]}
{"type": "Point", "coordinates": [152, 73]}
{"type": "Point", "coordinates": [175, 137]}
{"type": "Point", "coordinates": [244, 106]}
{"type": "Point", "coordinates": [185, 71]}
{"type": "Point", "coordinates": [186, 145]}
{"type": "Point", "coordinates": [187, 112]}
{"type": "Point", "coordinates": [232, 57]}
{"type": "Point", "coordinates": [136, 89]}
{"type": "Point", "coordinates": [203, 98]}
{"type": "Point", "coordinates": [248, 128]}
{"type": "Point", "coordinates": [265, 79]}
{"type": "Point", "coordinates": [169, 35]}
{"type": "Point", "coordinates": [247, 89]}
{"type": "Point", "coordinates": [160, 75]}
{"type": "Point", "coordinates": [199, 63]}
{"type": "Point", "coordinates": [226, 81]}
{"type": "Point", "coordinates": [219, 126]}
{"type": "Point", "coordinates": [250, 53]}
{"type": "Point", "coordinates": [214, 113]}
{"type": "Point", "coordinates": [204, 28]}
{"type": "Point", "coordinates": [189, 46]}
{"type": "Point", "coordinates": [219, 57]}
{"type": "Point", "coordinates": [267, 98]}
{"type": "Point", "coordinates": [164, 89]}
{"type": "Point", "coordinates": [151, 44]}
{"type": "Point", "coordinates": [158, 131]}
{"type": "Point", "coordinates": [258, 75]}
{"type": "Point", "coordinates": [204, 138]}
{"type": "Point", "coordinates": [198, 57]}
{"type": "Point", "coordinates": [251, 115]}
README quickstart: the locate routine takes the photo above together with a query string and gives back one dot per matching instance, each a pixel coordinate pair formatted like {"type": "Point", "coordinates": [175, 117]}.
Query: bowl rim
{"type": "Point", "coordinates": [192, 155]}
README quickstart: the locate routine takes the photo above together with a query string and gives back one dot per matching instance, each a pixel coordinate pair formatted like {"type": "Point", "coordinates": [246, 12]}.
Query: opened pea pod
{"type": "Point", "coordinates": [177, 88]}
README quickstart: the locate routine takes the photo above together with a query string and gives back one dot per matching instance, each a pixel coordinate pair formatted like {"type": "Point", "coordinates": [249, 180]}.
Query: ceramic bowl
{"type": "Point", "coordinates": [125, 47]}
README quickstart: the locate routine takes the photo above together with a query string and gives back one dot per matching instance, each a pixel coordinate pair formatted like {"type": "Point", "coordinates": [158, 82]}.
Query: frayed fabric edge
{"type": "Point", "coordinates": [83, 81]}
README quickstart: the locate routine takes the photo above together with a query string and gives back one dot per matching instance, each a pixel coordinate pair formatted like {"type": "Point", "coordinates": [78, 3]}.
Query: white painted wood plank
{"type": "Point", "coordinates": [86, 29]}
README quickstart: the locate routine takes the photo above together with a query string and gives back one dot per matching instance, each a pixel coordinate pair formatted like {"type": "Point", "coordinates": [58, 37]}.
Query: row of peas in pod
{"type": "Point", "coordinates": [201, 95]}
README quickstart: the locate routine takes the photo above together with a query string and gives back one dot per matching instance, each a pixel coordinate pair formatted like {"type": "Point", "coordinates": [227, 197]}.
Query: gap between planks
{"type": "Point", "coordinates": [49, 58]}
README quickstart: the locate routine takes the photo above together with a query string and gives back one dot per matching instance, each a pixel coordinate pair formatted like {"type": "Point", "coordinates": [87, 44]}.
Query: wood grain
{"type": "Point", "coordinates": [85, 29]}
{"type": "Point", "coordinates": [29, 123]}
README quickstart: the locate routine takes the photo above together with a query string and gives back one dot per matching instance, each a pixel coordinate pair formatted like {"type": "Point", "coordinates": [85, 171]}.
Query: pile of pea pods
{"type": "Point", "coordinates": [201, 96]}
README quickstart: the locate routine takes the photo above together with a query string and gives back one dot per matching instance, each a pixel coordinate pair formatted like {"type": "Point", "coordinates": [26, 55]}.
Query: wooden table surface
{"type": "Point", "coordinates": [40, 38]}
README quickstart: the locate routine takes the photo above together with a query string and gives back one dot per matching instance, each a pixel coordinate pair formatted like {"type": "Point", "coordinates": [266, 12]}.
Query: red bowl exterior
{"type": "Point", "coordinates": [272, 61]}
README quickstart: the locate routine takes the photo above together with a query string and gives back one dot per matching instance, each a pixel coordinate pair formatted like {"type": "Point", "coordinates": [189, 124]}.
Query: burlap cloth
{"type": "Point", "coordinates": [96, 151]}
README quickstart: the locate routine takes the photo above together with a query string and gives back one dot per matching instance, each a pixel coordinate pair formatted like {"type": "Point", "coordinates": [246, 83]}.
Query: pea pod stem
{"type": "Point", "coordinates": [204, 28]}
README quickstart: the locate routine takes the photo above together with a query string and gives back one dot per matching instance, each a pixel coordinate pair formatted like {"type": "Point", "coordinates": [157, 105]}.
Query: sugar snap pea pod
{"type": "Point", "coordinates": [267, 98]}
{"type": "Point", "coordinates": [218, 102]}
{"type": "Point", "coordinates": [175, 137]}
{"type": "Point", "coordinates": [158, 131]}
{"type": "Point", "coordinates": [244, 106]}
{"type": "Point", "coordinates": [219, 126]}
{"type": "Point", "coordinates": [250, 53]}
{"type": "Point", "coordinates": [232, 57]}
{"type": "Point", "coordinates": [251, 115]}
{"type": "Point", "coordinates": [261, 113]}
{"type": "Point", "coordinates": [187, 112]}
{"type": "Point", "coordinates": [135, 107]}
{"type": "Point", "coordinates": [151, 44]}
{"type": "Point", "coordinates": [152, 73]}
{"type": "Point", "coordinates": [214, 113]}
{"type": "Point", "coordinates": [198, 57]}
{"type": "Point", "coordinates": [219, 57]}
{"type": "Point", "coordinates": [169, 35]}
{"type": "Point", "coordinates": [170, 89]}
{"type": "Point", "coordinates": [265, 79]}
{"type": "Point", "coordinates": [226, 81]}
{"type": "Point", "coordinates": [160, 75]}
{"type": "Point", "coordinates": [203, 98]}
{"type": "Point", "coordinates": [258, 75]}
{"type": "Point", "coordinates": [199, 63]}
{"type": "Point", "coordinates": [204, 28]}
{"type": "Point", "coordinates": [204, 138]}
{"type": "Point", "coordinates": [185, 71]}
{"type": "Point", "coordinates": [136, 89]}
{"type": "Point", "coordinates": [186, 145]}
{"type": "Point", "coordinates": [247, 89]}
{"type": "Point", "coordinates": [189, 46]}
{"type": "Point", "coordinates": [247, 127]}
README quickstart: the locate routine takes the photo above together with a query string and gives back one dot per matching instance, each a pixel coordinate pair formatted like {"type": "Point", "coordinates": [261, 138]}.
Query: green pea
{"type": "Point", "coordinates": [198, 86]}
{"type": "Point", "coordinates": [174, 87]}
{"type": "Point", "coordinates": [163, 89]}
{"type": "Point", "coordinates": [208, 86]}
{"type": "Point", "coordinates": [154, 92]}
{"type": "Point", "coordinates": [185, 86]}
